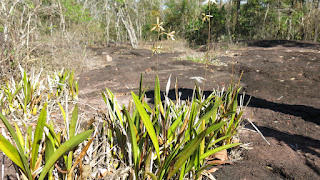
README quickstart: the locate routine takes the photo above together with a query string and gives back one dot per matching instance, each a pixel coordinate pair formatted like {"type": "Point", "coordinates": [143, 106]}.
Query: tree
{"type": "Point", "coordinates": [122, 12]}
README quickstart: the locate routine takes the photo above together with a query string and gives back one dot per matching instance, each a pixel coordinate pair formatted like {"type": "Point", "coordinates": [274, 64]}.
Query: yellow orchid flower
{"type": "Point", "coordinates": [158, 27]}
{"type": "Point", "coordinates": [171, 35]}
{"type": "Point", "coordinates": [206, 17]}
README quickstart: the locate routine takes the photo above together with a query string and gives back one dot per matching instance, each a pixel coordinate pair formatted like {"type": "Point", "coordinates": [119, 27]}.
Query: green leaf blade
{"type": "Point", "coordinates": [20, 149]}
{"type": "Point", "coordinates": [133, 138]}
{"type": "Point", "coordinates": [64, 148]}
{"type": "Point", "coordinates": [184, 155]}
{"type": "Point", "coordinates": [11, 152]}
{"type": "Point", "coordinates": [19, 134]}
{"type": "Point", "coordinates": [38, 136]}
{"type": "Point", "coordinates": [210, 152]}
{"type": "Point", "coordinates": [73, 123]}
{"type": "Point", "coordinates": [148, 124]}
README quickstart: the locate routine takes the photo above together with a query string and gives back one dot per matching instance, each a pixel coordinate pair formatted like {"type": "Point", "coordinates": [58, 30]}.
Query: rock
{"type": "Point", "coordinates": [107, 56]}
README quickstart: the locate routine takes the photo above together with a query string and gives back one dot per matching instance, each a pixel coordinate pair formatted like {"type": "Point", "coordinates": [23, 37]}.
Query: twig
{"type": "Point", "coordinates": [76, 102]}
{"type": "Point", "coordinates": [59, 169]}
{"type": "Point", "coordinates": [255, 127]}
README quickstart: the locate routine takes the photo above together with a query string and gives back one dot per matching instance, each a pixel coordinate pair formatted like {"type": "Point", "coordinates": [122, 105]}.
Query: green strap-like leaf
{"type": "Point", "coordinates": [173, 127]}
{"type": "Point", "coordinates": [76, 84]}
{"type": "Point", "coordinates": [157, 95]}
{"type": "Point", "coordinates": [25, 90]}
{"type": "Point", "coordinates": [184, 155]}
{"type": "Point", "coordinates": [147, 107]}
{"type": "Point", "coordinates": [38, 136]}
{"type": "Point", "coordinates": [72, 132]}
{"type": "Point", "coordinates": [133, 138]}
{"type": "Point", "coordinates": [49, 147]}
{"type": "Point", "coordinates": [182, 172]}
{"type": "Point", "coordinates": [116, 107]}
{"type": "Point", "coordinates": [233, 108]}
{"type": "Point", "coordinates": [148, 124]}
{"type": "Point", "coordinates": [210, 152]}
{"type": "Point", "coordinates": [63, 112]}
{"type": "Point", "coordinates": [7, 148]}
{"type": "Point", "coordinates": [165, 168]}
{"type": "Point", "coordinates": [238, 119]}
{"type": "Point", "coordinates": [64, 148]}
{"type": "Point", "coordinates": [20, 137]}
{"type": "Point", "coordinates": [48, 152]}
{"type": "Point", "coordinates": [157, 98]}
{"type": "Point", "coordinates": [73, 123]}
{"type": "Point", "coordinates": [20, 149]}
{"type": "Point", "coordinates": [216, 105]}
{"type": "Point", "coordinates": [211, 113]}
{"type": "Point", "coordinates": [218, 140]}
{"type": "Point", "coordinates": [215, 127]}
{"type": "Point", "coordinates": [53, 134]}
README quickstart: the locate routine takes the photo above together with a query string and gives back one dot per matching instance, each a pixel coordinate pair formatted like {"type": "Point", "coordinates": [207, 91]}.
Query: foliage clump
{"type": "Point", "coordinates": [173, 139]}
{"type": "Point", "coordinates": [34, 144]}
{"type": "Point", "coordinates": [197, 31]}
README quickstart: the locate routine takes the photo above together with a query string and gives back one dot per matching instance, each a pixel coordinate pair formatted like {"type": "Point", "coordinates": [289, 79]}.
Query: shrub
{"type": "Point", "coordinates": [197, 32]}
{"type": "Point", "coordinates": [173, 139]}
{"type": "Point", "coordinates": [35, 159]}
{"type": "Point", "coordinates": [22, 99]}
{"type": "Point", "coordinates": [36, 150]}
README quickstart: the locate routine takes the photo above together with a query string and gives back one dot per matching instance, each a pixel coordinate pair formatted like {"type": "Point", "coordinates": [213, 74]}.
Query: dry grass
{"type": "Point", "coordinates": [167, 46]}
{"type": "Point", "coordinates": [59, 51]}
{"type": "Point", "coordinates": [197, 54]}
{"type": "Point", "coordinates": [68, 49]}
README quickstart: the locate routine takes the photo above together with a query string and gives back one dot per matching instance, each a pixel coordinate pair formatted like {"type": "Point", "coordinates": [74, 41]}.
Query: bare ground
{"type": "Point", "coordinates": [281, 77]}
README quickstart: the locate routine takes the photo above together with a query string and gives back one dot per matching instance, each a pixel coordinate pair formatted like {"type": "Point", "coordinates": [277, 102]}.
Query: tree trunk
{"type": "Point", "coordinates": [125, 18]}
{"type": "Point", "coordinates": [264, 22]}
{"type": "Point", "coordinates": [62, 18]}
{"type": "Point", "coordinates": [118, 37]}
{"type": "Point", "coordinates": [107, 21]}
{"type": "Point", "coordinates": [317, 26]}
{"type": "Point", "coordinates": [236, 25]}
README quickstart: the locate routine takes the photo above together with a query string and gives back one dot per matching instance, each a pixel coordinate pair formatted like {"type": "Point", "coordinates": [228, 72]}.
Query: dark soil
{"type": "Point", "coordinates": [281, 77]}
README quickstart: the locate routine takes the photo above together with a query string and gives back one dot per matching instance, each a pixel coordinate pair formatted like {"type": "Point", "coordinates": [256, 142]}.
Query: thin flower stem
{"type": "Point", "coordinates": [158, 52]}
{"type": "Point", "coordinates": [208, 49]}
